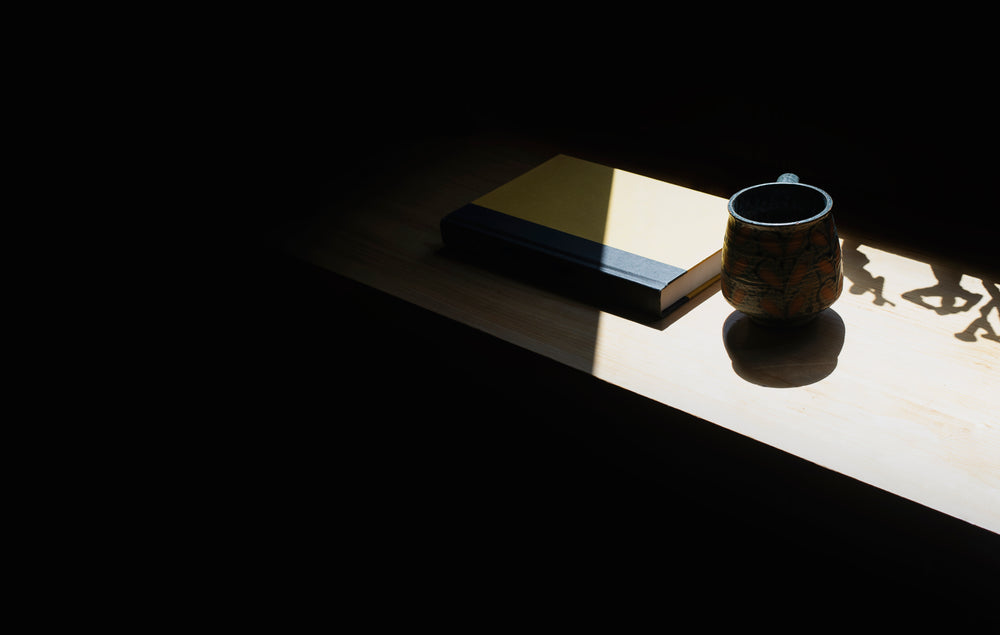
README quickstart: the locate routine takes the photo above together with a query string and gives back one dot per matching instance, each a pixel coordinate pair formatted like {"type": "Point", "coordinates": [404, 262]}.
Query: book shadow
{"type": "Point", "coordinates": [784, 357]}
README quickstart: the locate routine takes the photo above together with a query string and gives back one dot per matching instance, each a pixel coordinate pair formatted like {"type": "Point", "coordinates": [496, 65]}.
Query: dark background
{"type": "Point", "coordinates": [361, 461]}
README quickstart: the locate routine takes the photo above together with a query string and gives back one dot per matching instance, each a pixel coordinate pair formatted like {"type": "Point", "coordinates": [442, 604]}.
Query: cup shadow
{"type": "Point", "coordinates": [784, 357]}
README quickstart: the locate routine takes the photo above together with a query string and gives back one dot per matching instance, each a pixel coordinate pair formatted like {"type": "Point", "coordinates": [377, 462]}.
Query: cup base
{"type": "Point", "coordinates": [783, 322]}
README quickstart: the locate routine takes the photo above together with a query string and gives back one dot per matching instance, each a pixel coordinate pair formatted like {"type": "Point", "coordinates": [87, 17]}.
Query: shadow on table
{"type": "Point", "coordinates": [784, 358]}
{"type": "Point", "coordinates": [946, 297]}
{"type": "Point", "coordinates": [957, 299]}
{"type": "Point", "coordinates": [982, 322]}
{"type": "Point", "coordinates": [862, 281]}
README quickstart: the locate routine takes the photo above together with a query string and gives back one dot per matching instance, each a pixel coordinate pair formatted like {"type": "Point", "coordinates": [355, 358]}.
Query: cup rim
{"type": "Point", "coordinates": [802, 221]}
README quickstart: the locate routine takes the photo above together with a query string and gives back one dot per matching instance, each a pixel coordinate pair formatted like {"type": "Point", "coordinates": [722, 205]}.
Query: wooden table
{"type": "Point", "coordinates": [896, 387]}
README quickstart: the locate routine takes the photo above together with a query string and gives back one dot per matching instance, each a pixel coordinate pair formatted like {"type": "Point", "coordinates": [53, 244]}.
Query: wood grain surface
{"type": "Point", "coordinates": [895, 385]}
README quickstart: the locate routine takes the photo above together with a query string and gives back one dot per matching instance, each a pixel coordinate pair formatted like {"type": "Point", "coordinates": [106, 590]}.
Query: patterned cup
{"type": "Point", "coordinates": [781, 258]}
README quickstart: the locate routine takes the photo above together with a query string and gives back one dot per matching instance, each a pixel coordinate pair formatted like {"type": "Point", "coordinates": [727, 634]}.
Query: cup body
{"type": "Point", "coordinates": [781, 258]}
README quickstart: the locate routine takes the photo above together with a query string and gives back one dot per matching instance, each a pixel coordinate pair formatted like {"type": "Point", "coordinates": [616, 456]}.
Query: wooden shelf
{"type": "Point", "coordinates": [888, 387]}
{"type": "Point", "coordinates": [892, 392]}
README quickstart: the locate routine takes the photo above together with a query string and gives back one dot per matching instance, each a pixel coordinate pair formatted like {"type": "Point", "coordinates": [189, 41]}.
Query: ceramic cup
{"type": "Point", "coordinates": [781, 257]}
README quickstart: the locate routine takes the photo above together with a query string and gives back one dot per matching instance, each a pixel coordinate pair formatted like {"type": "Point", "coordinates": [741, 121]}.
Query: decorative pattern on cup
{"type": "Point", "coordinates": [782, 273]}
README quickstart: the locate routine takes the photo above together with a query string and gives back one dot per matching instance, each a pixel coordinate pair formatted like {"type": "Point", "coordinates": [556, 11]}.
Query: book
{"type": "Point", "coordinates": [620, 239]}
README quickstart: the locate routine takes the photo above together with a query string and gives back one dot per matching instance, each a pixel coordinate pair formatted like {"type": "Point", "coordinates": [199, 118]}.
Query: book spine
{"type": "Point", "coordinates": [552, 259]}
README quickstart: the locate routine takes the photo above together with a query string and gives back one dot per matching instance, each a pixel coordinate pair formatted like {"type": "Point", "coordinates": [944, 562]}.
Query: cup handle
{"type": "Point", "coordinates": [788, 177]}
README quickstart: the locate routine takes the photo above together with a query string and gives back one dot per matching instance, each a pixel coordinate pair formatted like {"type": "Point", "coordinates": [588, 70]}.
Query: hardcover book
{"type": "Point", "coordinates": [619, 239]}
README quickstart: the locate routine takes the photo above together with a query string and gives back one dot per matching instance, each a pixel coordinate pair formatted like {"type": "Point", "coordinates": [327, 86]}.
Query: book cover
{"type": "Point", "coordinates": [618, 238]}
